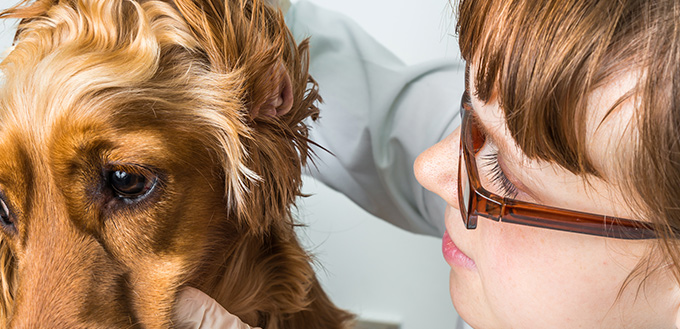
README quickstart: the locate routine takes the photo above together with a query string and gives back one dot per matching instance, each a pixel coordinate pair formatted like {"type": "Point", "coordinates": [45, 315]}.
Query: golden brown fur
{"type": "Point", "coordinates": [190, 95]}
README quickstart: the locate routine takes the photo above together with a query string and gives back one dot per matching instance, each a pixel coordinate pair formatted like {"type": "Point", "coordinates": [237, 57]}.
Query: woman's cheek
{"type": "Point", "coordinates": [574, 280]}
{"type": "Point", "coordinates": [520, 270]}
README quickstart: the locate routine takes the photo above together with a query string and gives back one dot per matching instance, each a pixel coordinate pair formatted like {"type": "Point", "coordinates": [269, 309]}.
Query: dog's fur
{"type": "Point", "coordinates": [207, 99]}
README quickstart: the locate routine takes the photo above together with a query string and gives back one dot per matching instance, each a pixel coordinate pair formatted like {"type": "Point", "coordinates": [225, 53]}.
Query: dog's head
{"type": "Point", "coordinates": [136, 136]}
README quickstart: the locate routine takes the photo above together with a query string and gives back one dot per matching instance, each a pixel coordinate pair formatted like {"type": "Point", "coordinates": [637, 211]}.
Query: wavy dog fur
{"type": "Point", "coordinates": [174, 94]}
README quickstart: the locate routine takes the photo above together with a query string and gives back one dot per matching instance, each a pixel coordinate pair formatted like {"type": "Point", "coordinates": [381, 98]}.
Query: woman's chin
{"type": "Point", "coordinates": [467, 303]}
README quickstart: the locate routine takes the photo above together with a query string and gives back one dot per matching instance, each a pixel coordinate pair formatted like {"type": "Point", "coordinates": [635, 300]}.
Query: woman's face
{"type": "Point", "coordinates": [512, 276]}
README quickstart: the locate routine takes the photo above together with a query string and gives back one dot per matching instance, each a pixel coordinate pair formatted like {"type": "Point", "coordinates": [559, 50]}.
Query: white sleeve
{"type": "Point", "coordinates": [378, 115]}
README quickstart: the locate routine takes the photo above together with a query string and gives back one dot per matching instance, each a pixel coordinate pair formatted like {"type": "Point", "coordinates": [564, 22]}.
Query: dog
{"type": "Point", "coordinates": [149, 145]}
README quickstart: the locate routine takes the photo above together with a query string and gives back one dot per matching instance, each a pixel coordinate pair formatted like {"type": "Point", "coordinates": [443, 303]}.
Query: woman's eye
{"type": "Point", "coordinates": [497, 177]}
{"type": "Point", "coordinates": [5, 218]}
{"type": "Point", "coordinates": [130, 185]}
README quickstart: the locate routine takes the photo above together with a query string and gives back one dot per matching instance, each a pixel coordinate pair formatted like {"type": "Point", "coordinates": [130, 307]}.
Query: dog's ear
{"type": "Point", "coordinates": [278, 95]}
{"type": "Point", "coordinates": [246, 37]}
{"type": "Point", "coordinates": [249, 52]}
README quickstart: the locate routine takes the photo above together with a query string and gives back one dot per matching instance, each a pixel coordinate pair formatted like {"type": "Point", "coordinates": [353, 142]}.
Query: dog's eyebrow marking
{"type": "Point", "coordinates": [140, 147]}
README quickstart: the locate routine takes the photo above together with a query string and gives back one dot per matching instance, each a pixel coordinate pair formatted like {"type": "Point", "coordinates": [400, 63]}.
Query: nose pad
{"type": "Point", "coordinates": [465, 204]}
{"type": "Point", "coordinates": [436, 168]}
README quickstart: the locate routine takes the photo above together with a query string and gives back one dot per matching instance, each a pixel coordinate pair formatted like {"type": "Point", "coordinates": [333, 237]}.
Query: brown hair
{"type": "Point", "coordinates": [541, 59]}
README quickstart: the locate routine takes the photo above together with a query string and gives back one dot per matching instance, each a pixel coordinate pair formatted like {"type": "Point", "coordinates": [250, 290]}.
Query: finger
{"type": "Point", "coordinates": [196, 310]}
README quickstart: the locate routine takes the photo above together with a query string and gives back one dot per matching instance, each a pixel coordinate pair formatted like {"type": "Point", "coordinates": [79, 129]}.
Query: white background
{"type": "Point", "coordinates": [367, 266]}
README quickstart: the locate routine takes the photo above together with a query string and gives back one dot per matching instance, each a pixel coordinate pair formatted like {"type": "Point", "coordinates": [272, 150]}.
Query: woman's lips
{"type": "Point", "coordinates": [454, 256]}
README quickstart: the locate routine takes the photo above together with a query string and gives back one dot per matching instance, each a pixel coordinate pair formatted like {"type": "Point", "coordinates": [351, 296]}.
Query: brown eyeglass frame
{"type": "Point", "coordinates": [481, 202]}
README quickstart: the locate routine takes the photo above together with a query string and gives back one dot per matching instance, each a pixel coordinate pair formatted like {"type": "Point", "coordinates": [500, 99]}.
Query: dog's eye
{"type": "Point", "coordinates": [130, 185]}
{"type": "Point", "coordinates": [5, 218]}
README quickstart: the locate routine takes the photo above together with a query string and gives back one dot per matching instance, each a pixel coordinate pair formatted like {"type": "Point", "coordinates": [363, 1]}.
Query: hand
{"type": "Point", "coordinates": [196, 310]}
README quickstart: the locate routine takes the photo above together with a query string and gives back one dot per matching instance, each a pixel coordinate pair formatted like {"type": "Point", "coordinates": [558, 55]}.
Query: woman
{"type": "Point", "coordinates": [573, 106]}
{"type": "Point", "coordinates": [569, 138]}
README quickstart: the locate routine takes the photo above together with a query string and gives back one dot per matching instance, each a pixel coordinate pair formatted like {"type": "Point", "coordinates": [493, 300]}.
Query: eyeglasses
{"type": "Point", "coordinates": [475, 201]}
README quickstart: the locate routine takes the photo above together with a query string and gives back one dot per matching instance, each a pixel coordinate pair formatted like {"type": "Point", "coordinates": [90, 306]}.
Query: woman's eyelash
{"type": "Point", "coordinates": [497, 176]}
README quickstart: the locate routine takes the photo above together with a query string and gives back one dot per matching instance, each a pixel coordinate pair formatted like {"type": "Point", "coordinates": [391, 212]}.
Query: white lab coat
{"type": "Point", "coordinates": [378, 115]}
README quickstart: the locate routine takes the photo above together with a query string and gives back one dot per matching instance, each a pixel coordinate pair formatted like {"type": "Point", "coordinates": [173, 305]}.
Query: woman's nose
{"type": "Point", "coordinates": [437, 168]}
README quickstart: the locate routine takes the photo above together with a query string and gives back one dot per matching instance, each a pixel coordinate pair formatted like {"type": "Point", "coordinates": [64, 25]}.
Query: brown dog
{"type": "Point", "coordinates": [148, 145]}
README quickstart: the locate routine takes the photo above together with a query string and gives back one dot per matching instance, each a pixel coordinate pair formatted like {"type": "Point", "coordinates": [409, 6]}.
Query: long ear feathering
{"type": "Point", "coordinates": [250, 38]}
